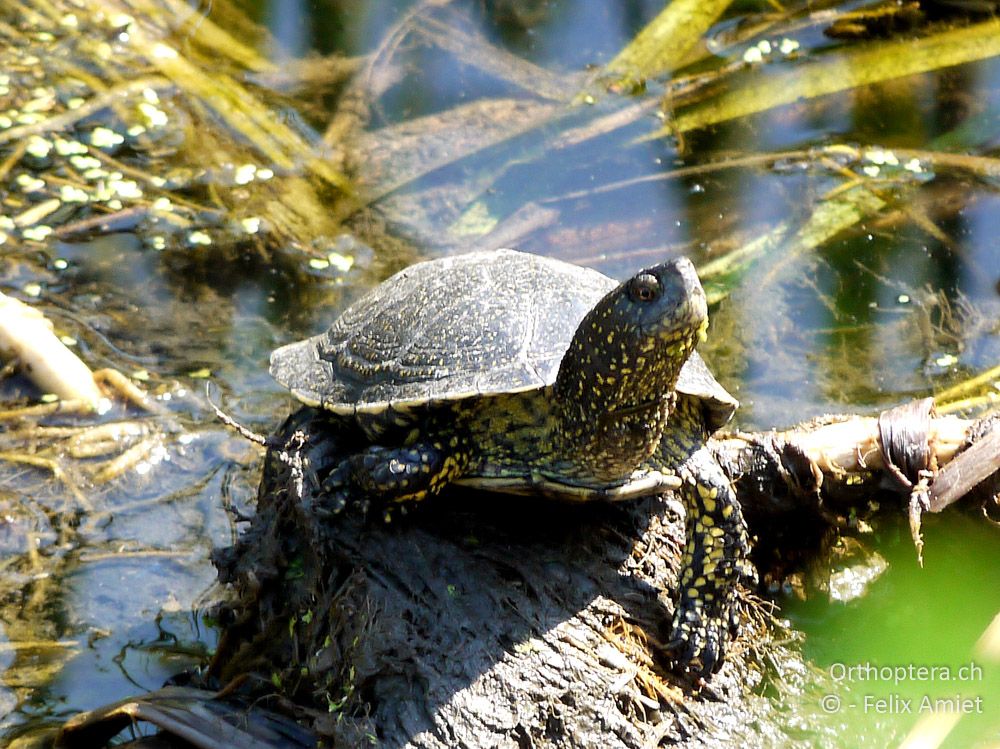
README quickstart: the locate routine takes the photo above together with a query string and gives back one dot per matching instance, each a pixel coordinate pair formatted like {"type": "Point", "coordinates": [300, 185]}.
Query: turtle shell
{"type": "Point", "coordinates": [483, 323]}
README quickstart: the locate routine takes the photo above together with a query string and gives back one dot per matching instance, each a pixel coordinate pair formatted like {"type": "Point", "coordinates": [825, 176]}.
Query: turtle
{"type": "Point", "coordinates": [514, 372]}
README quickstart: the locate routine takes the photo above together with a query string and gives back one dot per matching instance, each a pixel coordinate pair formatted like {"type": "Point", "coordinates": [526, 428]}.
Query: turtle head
{"type": "Point", "coordinates": [617, 377]}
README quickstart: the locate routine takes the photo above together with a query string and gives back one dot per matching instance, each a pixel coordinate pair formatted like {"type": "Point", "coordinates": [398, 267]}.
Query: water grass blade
{"type": "Point", "coordinates": [245, 113]}
{"type": "Point", "coordinates": [765, 89]}
{"type": "Point", "coordinates": [828, 219]}
{"type": "Point", "coordinates": [667, 40]}
{"type": "Point", "coordinates": [973, 386]}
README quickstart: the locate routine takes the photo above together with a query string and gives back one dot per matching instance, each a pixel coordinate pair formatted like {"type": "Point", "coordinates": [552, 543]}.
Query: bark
{"type": "Point", "coordinates": [486, 621]}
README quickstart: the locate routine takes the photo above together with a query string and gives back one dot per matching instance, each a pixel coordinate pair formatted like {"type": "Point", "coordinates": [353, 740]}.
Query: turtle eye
{"type": "Point", "coordinates": [644, 288]}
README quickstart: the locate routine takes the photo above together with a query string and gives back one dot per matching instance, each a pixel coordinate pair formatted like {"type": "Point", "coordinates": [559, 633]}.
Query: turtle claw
{"type": "Point", "coordinates": [698, 646]}
{"type": "Point", "coordinates": [336, 491]}
{"type": "Point", "coordinates": [747, 574]}
{"type": "Point", "coordinates": [339, 489]}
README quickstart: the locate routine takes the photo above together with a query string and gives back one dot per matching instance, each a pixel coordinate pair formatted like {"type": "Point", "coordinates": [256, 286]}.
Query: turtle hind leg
{"type": "Point", "coordinates": [715, 558]}
{"type": "Point", "coordinates": [386, 476]}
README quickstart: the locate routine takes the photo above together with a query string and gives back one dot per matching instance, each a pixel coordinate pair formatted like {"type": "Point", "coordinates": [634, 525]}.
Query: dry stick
{"type": "Point", "coordinates": [27, 335]}
{"type": "Point", "coordinates": [15, 156]}
{"type": "Point", "coordinates": [118, 465]}
{"type": "Point", "coordinates": [128, 390]}
{"type": "Point", "coordinates": [983, 166]}
{"type": "Point", "coordinates": [978, 165]}
{"type": "Point", "coordinates": [852, 445]}
{"type": "Point", "coordinates": [36, 213]}
{"type": "Point", "coordinates": [54, 468]}
{"type": "Point", "coordinates": [230, 422]}
{"type": "Point", "coordinates": [967, 470]}
{"type": "Point", "coordinates": [908, 435]}
{"type": "Point", "coordinates": [103, 556]}
{"type": "Point", "coordinates": [974, 404]}
{"type": "Point", "coordinates": [762, 160]}
{"type": "Point", "coordinates": [20, 646]}
{"type": "Point", "coordinates": [44, 409]}
{"type": "Point", "coordinates": [102, 222]}
{"type": "Point", "coordinates": [83, 446]}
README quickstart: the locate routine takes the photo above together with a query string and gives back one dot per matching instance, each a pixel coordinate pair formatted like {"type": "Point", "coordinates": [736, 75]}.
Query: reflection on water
{"type": "Point", "coordinates": [923, 624]}
{"type": "Point", "coordinates": [895, 306]}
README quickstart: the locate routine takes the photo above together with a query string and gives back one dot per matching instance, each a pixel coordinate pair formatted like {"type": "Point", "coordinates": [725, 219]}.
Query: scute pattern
{"type": "Point", "coordinates": [507, 328]}
{"type": "Point", "coordinates": [518, 373]}
{"type": "Point", "coordinates": [509, 318]}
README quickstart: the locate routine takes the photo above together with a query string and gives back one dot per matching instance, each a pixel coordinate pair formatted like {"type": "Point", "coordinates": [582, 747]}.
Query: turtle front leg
{"type": "Point", "coordinates": [385, 476]}
{"type": "Point", "coordinates": [715, 558]}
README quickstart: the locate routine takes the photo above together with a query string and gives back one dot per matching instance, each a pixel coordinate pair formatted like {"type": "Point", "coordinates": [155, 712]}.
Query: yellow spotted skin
{"type": "Point", "coordinates": [590, 430]}
{"type": "Point", "coordinates": [519, 434]}
{"type": "Point", "coordinates": [716, 552]}
{"type": "Point", "coordinates": [515, 373]}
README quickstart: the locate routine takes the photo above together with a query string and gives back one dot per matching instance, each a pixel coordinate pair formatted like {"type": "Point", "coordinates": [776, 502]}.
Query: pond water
{"type": "Point", "coordinates": [900, 304]}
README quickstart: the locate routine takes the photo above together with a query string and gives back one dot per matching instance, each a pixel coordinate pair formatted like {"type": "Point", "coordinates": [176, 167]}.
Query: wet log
{"type": "Point", "coordinates": [833, 473]}
{"type": "Point", "coordinates": [478, 620]}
